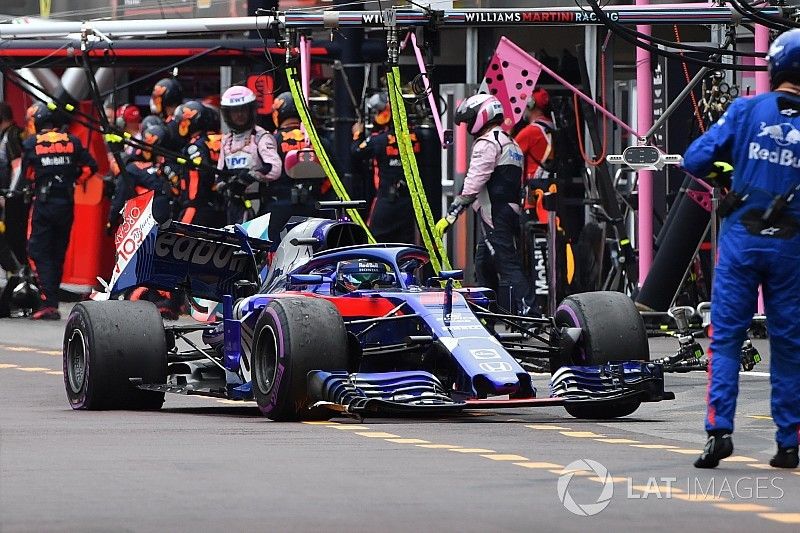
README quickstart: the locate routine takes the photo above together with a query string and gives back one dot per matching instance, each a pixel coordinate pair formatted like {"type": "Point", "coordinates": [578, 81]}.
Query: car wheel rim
{"type": "Point", "coordinates": [266, 355]}
{"type": "Point", "coordinates": [76, 361]}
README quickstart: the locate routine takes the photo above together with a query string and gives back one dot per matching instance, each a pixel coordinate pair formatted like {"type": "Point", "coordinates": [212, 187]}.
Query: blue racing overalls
{"type": "Point", "coordinates": [760, 136]}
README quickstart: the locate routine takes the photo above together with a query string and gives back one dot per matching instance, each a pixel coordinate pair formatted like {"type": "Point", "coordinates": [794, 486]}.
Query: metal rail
{"type": "Point", "coordinates": [694, 13]}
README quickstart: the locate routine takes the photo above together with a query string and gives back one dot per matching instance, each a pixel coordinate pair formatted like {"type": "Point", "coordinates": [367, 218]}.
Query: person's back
{"type": "Point", "coordinates": [762, 136]}
{"type": "Point", "coordinates": [53, 162]}
{"type": "Point", "coordinates": [759, 245]}
{"type": "Point", "coordinates": [392, 213]}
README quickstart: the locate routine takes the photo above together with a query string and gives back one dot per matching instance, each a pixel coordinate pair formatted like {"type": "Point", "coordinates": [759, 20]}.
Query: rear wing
{"type": "Point", "coordinates": [206, 262]}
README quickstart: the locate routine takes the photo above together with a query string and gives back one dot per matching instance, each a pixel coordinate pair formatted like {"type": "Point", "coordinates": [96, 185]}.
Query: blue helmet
{"type": "Point", "coordinates": [783, 58]}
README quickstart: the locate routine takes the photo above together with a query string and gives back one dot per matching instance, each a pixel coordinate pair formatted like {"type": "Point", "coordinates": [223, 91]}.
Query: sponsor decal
{"type": "Point", "coordinates": [485, 353]}
{"type": "Point", "coordinates": [199, 252]}
{"type": "Point", "coordinates": [498, 366]}
{"type": "Point", "coordinates": [137, 221]}
{"type": "Point", "coordinates": [783, 157]}
{"type": "Point", "coordinates": [539, 256]}
{"type": "Point", "coordinates": [784, 134]}
{"type": "Point", "coordinates": [55, 161]}
{"type": "Point", "coordinates": [237, 161]}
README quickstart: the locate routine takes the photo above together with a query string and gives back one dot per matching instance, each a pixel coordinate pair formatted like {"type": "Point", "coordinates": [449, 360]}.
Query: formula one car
{"type": "Point", "coordinates": [335, 325]}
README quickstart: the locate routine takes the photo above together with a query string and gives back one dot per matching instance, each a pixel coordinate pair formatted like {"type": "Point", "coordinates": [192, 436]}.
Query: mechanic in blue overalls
{"type": "Point", "coordinates": [492, 186]}
{"type": "Point", "coordinates": [759, 245]}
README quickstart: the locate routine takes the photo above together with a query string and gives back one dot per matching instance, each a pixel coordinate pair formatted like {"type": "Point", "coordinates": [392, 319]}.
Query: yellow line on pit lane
{"type": "Point", "coordinates": [743, 507]}
{"type": "Point", "coordinates": [377, 434]}
{"type": "Point", "coordinates": [34, 369]}
{"type": "Point", "coordinates": [685, 451]}
{"type": "Point", "coordinates": [581, 434]}
{"type": "Point", "coordinates": [505, 457]}
{"type": "Point", "coordinates": [8, 365]}
{"type": "Point", "coordinates": [784, 518]}
{"type": "Point", "coordinates": [539, 465]}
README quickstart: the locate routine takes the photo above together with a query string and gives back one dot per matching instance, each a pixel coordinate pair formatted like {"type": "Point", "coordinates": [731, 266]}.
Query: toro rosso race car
{"type": "Point", "coordinates": [335, 325]}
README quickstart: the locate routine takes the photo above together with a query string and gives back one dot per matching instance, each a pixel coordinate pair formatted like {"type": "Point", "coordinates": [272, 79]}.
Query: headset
{"type": "Point", "coordinates": [127, 113]}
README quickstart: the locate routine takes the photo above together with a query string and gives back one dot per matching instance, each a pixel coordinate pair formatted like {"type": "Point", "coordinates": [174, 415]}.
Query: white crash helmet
{"type": "Point", "coordinates": [237, 97]}
{"type": "Point", "coordinates": [479, 110]}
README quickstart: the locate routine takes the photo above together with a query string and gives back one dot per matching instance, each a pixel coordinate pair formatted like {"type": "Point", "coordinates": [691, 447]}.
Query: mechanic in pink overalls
{"type": "Point", "coordinates": [250, 151]}
{"type": "Point", "coordinates": [492, 186]}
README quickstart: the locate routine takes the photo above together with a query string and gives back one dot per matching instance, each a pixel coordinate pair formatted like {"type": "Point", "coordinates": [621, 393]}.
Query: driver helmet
{"type": "Point", "coordinates": [360, 274]}
{"type": "Point", "coordinates": [239, 99]}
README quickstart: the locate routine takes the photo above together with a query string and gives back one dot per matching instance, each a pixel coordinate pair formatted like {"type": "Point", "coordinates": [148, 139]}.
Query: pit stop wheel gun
{"type": "Point", "coordinates": [690, 353]}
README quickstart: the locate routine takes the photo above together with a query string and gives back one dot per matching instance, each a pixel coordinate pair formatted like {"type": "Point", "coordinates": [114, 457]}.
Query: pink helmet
{"type": "Point", "coordinates": [237, 97]}
{"type": "Point", "coordinates": [478, 111]}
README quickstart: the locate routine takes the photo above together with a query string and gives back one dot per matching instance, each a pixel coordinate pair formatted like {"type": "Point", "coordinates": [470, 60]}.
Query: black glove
{"type": "Point", "coordinates": [721, 174]}
{"type": "Point", "coordinates": [238, 184]}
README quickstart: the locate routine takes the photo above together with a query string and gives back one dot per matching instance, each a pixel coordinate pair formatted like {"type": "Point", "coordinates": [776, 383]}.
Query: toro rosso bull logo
{"type": "Point", "coordinates": [784, 135]}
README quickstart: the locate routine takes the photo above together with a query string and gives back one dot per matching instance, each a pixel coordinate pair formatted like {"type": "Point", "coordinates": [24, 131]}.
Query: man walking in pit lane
{"type": "Point", "coordinates": [759, 245]}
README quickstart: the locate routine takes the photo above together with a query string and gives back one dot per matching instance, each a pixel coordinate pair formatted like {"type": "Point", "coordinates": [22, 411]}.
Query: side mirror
{"type": "Point", "coordinates": [452, 274]}
{"type": "Point", "coordinates": [304, 279]}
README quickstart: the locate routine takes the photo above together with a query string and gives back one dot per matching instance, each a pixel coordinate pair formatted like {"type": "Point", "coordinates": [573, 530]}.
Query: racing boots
{"type": "Point", "coordinates": [785, 458]}
{"type": "Point", "coordinates": [718, 446]}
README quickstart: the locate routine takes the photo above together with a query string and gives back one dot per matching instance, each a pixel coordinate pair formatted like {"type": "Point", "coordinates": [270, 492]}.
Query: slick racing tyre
{"type": "Point", "coordinates": [294, 336]}
{"type": "Point", "coordinates": [106, 344]}
{"type": "Point", "coordinates": [611, 330]}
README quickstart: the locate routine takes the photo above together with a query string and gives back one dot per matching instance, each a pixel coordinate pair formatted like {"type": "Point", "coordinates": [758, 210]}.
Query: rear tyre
{"type": "Point", "coordinates": [611, 330]}
{"type": "Point", "coordinates": [105, 345]}
{"type": "Point", "coordinates": [294, 336]}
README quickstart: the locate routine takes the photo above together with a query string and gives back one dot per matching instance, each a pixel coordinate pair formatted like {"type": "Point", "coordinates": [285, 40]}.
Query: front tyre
{"type": "Point", "coordinates": [611, 330]}
{"type": "Point", "coordinates": [106, 344]}
{"type": "Point", "coordinates": [293, 336]}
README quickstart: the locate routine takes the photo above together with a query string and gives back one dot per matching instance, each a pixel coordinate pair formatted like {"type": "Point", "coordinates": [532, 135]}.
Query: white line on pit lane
{"type": "Point", "coordinates": [703, 375]}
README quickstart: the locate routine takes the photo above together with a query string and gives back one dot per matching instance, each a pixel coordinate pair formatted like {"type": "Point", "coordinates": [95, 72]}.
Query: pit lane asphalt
{"type": "Point", "coordinates": [203, 464]}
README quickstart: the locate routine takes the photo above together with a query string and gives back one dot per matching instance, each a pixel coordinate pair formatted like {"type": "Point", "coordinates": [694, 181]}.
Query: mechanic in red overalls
{"type": "Point", "coordinates": [536, 142]}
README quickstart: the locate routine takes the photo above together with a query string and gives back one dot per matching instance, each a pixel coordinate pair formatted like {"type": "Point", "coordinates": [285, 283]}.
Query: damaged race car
{"type": "Point", "coordinates": [338, 326]}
